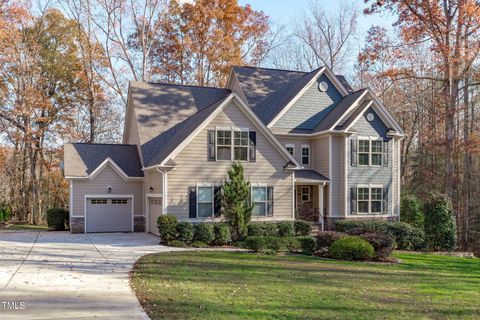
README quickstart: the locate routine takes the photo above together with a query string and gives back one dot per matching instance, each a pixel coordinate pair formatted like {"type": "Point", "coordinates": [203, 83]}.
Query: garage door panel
{"type": "Point", "coordinates": [109, 215]}
{"type": "Point", "coordinates": [156, 209]}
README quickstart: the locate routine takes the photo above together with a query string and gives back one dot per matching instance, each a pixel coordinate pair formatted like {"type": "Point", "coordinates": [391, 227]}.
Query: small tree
{"type": "Point", "coordinates": [236, 204]}
{"type": "Point", "coordinates": [440, 227]}
{"type": "Point", "coordinates": [411, 211]}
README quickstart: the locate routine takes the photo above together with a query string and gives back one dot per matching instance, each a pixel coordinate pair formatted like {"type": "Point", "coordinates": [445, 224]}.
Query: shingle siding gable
{"type": "Point", "coordinates": [311, 107]}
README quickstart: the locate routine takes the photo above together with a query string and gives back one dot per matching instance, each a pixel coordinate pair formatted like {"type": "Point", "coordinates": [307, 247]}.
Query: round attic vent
{"type": "Point", "coordinates": [370, 117]}
{"type": "Point", "coordinates": [323, 86]}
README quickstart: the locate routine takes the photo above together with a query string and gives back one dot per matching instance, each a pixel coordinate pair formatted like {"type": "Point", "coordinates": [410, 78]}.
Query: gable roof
{"type": "Point", "coordinates": [83, 159]}
{"type": "Point", "coordinates": [310, 175]}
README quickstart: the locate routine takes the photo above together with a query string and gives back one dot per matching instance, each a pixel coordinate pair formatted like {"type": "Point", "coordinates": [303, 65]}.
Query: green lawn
{"type": "Point", "coordinates": [223, 285]}
{"type": "Point", "coordinates": [25, 227]}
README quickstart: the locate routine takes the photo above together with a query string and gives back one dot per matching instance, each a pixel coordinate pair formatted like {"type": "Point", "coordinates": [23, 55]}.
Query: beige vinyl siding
{"type": "Point", "coordinates": [337, 180]}
{"type": "Point", "coordinates": [193, 167]}
{"type": "Point", "coordinates": [297, 143]}
{"type": "Point", "coordinates": [320, 155]}
{"type": "Point", "coordinates": [98, 186]}
{"type": "Point", "coordinates": [153, 179]}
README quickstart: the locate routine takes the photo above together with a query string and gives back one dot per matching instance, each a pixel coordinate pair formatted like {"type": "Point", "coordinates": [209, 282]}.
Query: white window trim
{"type": "Point", "coordinates": [308, 194]}
{"type": "Point", "coordinates": [290, 145]}
{"type": "Point", "coordinates": [206, 185]}
{"type": "Point", "coordinates": [369, 139]}
{"type": "Point", "coordinates": [306, 146]}
{"type": "Point", "coordinates": [369, 187]}
{"type": "Point", "coordinates": [232, 130]}
{"type": "Point", "coordinates": [259, 185]}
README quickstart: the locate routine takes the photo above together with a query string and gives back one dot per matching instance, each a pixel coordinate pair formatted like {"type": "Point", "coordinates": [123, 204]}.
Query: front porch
{"type": "Point", "coordinates": [311, 196]}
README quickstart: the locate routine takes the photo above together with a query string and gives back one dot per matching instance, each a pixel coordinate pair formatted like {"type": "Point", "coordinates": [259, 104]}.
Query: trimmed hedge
{"type": "Point", "coordinates": [352, 248]}
{"type": "Point", "coordinates": [382, 244]}
{"type": "Point", "coordinates": [199, 244]}
{"type": "Point", "coordinates": [176, 243]}
{"type": "Point", "coordinates": [222, 234]}
{"type": "Point", "coordinates": [307, 244]}
{"type": "Point", "coordinates": [406, 236]}
{"type": "Point", "coordinates": [167, 227]}
{"type": "Point", "coordinates": [286, 229]}
{"type": "Point", "coordinates": [302, 228]}
{"type": "Point", "coordinates": [262, 229]}
{"type": "Point", "coordinates": [184, 231]}
{"type": "Point", "coordinates": [203, 232]}
{"type": "Point", "coordinates": [326, 238]}
{"type": "Point", "coordinates": [57, 218]}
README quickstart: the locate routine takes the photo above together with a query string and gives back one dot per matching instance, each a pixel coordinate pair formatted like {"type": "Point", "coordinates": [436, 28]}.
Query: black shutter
{"type": "Point", "coordinates": [218, 201]}
{"type": "Point", "coordinates": [211, 145]}
{"type": "Point", "coordinates": [385, 153]}
{"type": "Point", "coordinates": [252, 135]}
{"type": "Point", "coordinates": [353, 200]}
{"type": "Point", "coordinates": [385, 200]}
{"type": "Point", "coordinates": [192, 202]}
{"type": "Point", "coordinates": [353, 152]}
{"type": "Point", "coordinates": [269, 201]}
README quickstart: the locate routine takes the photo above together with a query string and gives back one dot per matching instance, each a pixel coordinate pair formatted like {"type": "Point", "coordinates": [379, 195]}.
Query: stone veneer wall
{"type": "Point", "coordinates": [77, 225]}
{"type": "Point", "coordinates": [139, 224]}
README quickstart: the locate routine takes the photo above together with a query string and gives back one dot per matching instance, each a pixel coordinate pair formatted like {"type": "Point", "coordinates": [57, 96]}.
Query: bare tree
{"type": "Point", "coordinates": [327, 35]}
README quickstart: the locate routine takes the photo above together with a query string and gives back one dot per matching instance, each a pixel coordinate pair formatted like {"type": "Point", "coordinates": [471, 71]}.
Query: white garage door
{"type": "Point", "coordinates": [155, 212]}
{"type": "Point", "coordinates": [109, 215]}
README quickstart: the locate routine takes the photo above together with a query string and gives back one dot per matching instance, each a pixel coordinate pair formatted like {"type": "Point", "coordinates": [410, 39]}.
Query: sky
{"type": "Point", "coordinates": [284, 12]}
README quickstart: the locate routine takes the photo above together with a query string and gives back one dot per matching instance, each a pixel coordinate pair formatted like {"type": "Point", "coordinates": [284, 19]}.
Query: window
{"type": "Point", "coordinates": [240, 143]}
{"type": "Point", "coordinates": [363, 199]}
{"type": "Point", "coordinates": [306, 154]}
{"type": "Point", "coordinates": [370, 200]}
{"type": "Point", "coordinates": [290, 149]}
{"type": "Point", "coordinates": [363, 152]}
{"type": "Point", "coordinates": [224, 145]}
{"type": "Point", "coordinates": [377, 152]}
{"type": "Point", "coordinates": [376, 200]}
{"type": "Point", "coordinates": [305, 194]}
{"type": "Point", "coordinates": [370, 152]}
{"type": "Point", "coordinates": [119, 201]}
{"type": "Point", "coordinates": [259, 199]}
{"type": "Point", "coordinates": [98, 201]}
{"type": "Point", "coordinates": [204, 202]}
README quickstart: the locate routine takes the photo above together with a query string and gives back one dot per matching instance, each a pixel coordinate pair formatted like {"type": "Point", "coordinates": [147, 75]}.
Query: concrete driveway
{"type": "Point", "coordinates": [57, 275]}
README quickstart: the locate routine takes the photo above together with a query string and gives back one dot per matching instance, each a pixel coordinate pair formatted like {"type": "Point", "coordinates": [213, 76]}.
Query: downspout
{"type": "Point", "coordinates": [164, 189]}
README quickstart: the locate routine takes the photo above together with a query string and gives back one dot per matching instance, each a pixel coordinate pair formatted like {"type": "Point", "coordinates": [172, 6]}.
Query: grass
{"type": "Point", "coordinates": [232, 285]}
{"type": "Point", "coordinates": [25, 227]}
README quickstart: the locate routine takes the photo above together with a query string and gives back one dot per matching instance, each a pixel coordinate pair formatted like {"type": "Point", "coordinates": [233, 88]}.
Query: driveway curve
{"type": "Point", "coordinates": [58, 275]}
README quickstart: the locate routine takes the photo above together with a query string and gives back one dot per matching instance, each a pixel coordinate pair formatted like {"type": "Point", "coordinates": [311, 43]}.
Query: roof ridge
{"type": "Point", "coordinates": [274, 69]}
{"type": "Point", "coordinates": [105, 144]}
{"type": "Point", "coordinates": [180, 85]}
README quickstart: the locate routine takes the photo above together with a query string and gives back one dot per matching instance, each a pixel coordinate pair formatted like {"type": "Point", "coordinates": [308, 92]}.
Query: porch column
{"type": "Point", "coordinates": [320, 205]}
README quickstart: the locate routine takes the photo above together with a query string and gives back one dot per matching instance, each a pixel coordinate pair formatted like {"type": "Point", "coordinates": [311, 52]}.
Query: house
{"type": "Point", "coordinates": [311, 147]}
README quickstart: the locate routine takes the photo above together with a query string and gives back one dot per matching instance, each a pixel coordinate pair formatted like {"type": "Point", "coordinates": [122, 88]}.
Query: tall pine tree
{"type": "Point", "coordinates": [236, 205]}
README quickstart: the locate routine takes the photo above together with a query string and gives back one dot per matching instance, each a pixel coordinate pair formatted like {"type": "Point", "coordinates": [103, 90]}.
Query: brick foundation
{"type": "Point", "coordinates": [139, 224]}
{"type": "Point", "coordinates": [330, 221]}
{"type": "Point", "coordinates": [77, 225]}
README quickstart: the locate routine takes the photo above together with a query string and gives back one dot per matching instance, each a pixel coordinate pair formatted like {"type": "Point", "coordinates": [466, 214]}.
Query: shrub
{"type": "Point", "coordinates": [185, 231]}
{"type": "Point", "coordinates": [222, 234]}
{"type": "Point", "coordinates": [176, 243]}
{"type": "Point", "coordinates": [352, 248]}
{"type": "Point", "coordinates": [203, 232]}
{"type": "Point", "coordinates": [199, 244]}
{"type": "Point", "coordinates": [302, 228]}
{"type": "Point", "coordinates": [406, 236]}
{"type": "Point", "coordinates": [411, 211]}
{"type": "Point", "coordinates": [255, 243]}
{"type": "Point", "coordinates": [326, 238]}
{"type": "Point", "coordinates": [56, 218]}
{"type": "Point", "coordinates": [382, 244]}
{"type": "Point", "coordinates": [167, 227]}
{"type": "Point", "coordinates": [293, 244]}
{"type": "Point", "coordinates": [286, 229]}
{"type": "Point", "coordinates": [262, 229]}
{"type": "Point", "coordinates": [308, 244]}
{"type": "Point", "coordinates": [440, 227]}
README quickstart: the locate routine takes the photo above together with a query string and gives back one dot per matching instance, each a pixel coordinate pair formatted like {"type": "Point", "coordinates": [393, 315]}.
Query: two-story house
{"type": "Point", "coordinates": [312, 149]}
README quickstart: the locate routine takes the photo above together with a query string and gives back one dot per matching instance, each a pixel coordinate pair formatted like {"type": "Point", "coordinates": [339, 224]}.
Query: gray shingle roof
{"type": "Point", "coordinates": [310, 175]}
{"type": "Point", "coordinates": [81, 159]}
{"type": "Point", "coordinates": [164, 112]}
